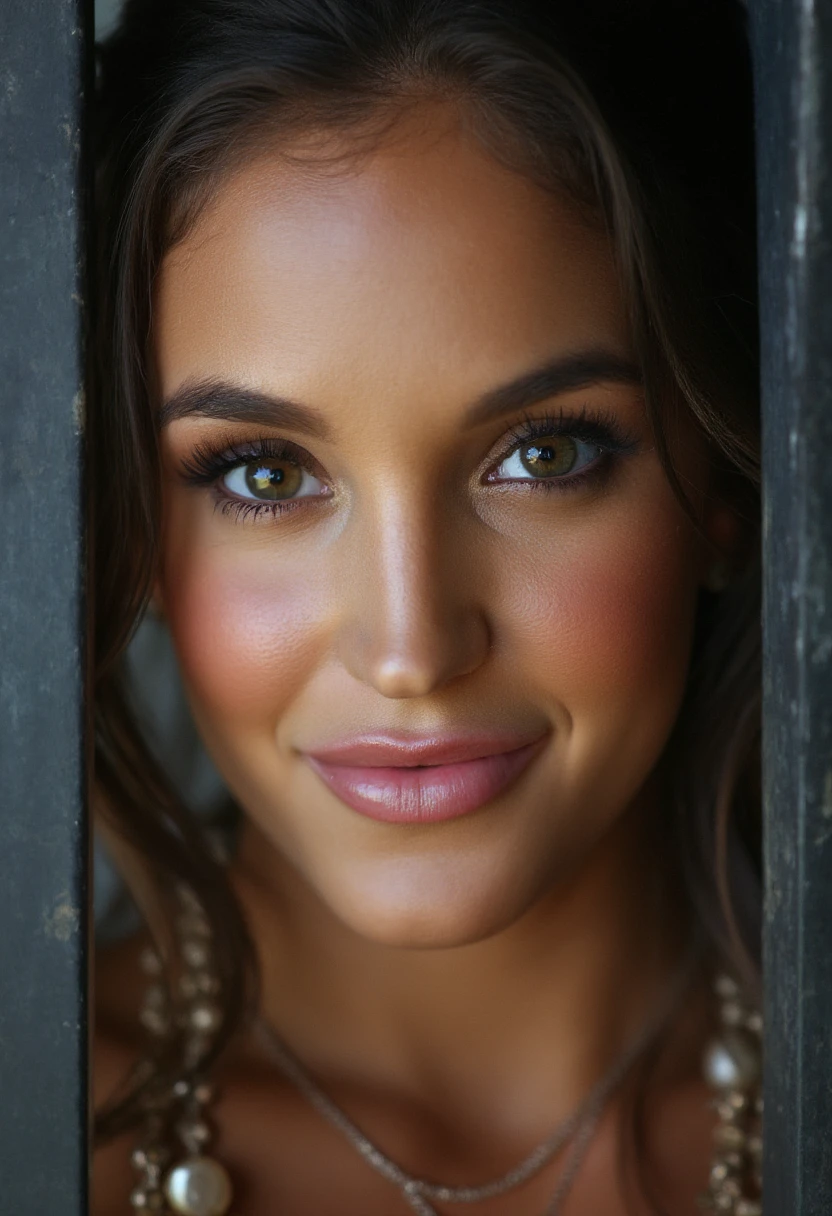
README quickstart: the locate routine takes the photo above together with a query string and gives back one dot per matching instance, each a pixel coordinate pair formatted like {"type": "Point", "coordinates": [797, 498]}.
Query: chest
{"type": "Point", "coordinates": [284, 1159]}
{"type": "Point", "coordinates": [287, 1161]}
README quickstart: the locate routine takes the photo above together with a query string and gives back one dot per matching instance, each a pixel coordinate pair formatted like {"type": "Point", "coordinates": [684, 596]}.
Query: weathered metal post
{"type": "Point", "coordinates": [793, 63]}
{"type": "Point", "coordinates": [43, 850]}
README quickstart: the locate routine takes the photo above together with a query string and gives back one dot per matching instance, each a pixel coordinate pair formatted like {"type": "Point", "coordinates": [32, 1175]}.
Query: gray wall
{"type": "Point", "coordinates": [106, 14]}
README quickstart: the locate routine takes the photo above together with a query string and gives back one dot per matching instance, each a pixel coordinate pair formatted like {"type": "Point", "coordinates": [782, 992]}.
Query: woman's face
{"type": "Point", "coordinates": [414, 516]}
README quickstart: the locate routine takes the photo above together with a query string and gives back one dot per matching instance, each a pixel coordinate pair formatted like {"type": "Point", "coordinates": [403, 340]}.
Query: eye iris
{"type": "Point", "coordinates": [550, 457]}
{"type": "Point", "coordinates": [275, 479]}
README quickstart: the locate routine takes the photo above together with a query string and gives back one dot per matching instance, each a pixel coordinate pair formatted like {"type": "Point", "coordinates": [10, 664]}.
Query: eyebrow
{"type": "Point", "coordinates": [233, 403]}
{"type": "Point", "coordinates": [582, 369]}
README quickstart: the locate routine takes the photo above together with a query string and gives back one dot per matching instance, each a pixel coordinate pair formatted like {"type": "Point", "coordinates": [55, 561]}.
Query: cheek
{"type": "Point", "coordinates": [247, 627]}
{"type": "Point", "coordinates": [605, 618]}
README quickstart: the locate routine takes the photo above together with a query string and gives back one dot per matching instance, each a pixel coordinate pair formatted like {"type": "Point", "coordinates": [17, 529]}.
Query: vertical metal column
{"type": "Point", "coordinates": [793, 64]}
{"type": "Point", "coordinates": [43, 851]}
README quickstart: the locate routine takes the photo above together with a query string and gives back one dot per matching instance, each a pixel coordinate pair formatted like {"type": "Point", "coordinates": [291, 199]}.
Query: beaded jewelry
{"type": "Point", "coordinates": [177, 1174]}
{"type": "Point", "coordinates": [733, 1067]}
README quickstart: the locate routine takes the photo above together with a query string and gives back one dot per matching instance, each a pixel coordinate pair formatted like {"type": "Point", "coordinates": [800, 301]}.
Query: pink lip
{"type": "Point", "coordinates": [422, 781]}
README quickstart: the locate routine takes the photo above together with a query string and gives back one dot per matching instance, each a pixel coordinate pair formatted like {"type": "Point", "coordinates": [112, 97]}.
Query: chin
{"type": "Point", "coordinates": [435, 905]}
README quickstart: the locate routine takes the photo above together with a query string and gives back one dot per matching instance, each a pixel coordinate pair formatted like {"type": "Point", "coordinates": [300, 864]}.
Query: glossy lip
{"type": "Point", "coordinates": [398, 780]}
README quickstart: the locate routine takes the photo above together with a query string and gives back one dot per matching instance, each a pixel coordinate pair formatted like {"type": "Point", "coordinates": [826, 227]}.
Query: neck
{"type": "Point", "coordinates": [540, 1009]}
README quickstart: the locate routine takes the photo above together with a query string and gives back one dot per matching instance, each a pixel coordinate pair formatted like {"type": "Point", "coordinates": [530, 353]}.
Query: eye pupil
{"type": "Point", "coordinates": [274, 480]}
{"type": "Point", "coordinates": [551, 457]}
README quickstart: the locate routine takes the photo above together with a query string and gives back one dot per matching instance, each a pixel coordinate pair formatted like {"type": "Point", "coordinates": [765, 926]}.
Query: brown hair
{"type": "Point", "coordinates": [641, 112]}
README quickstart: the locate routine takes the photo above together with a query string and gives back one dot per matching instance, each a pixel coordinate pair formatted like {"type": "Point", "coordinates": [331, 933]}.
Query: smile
{"type": "Point", "coordinates": [422, 781]}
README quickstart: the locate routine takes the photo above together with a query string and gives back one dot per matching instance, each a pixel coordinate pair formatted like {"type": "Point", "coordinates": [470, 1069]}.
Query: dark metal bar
{"type": "Point", "coordinates": [793, 65]}
{"type": "Point", "coordinates": [43, 851]}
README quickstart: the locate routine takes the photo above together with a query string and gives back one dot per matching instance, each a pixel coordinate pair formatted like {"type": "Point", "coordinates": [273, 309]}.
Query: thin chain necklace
{"type": "Point", "coordinates": [579, 1127]}
{"type": "Point", "coordinates": [177, 1174]}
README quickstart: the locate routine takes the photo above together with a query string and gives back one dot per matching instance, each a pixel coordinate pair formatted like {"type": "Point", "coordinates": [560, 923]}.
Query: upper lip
{"type": "Point", "coordinates": [391, 750]}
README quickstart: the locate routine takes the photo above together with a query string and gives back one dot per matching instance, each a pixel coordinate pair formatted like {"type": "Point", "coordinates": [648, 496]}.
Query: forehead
{"type": "Point", "coordinates": [425, 258]}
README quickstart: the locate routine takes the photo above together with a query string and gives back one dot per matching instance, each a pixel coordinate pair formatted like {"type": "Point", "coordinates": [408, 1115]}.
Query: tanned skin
{"type": "Point", "coordinates": [456, 986]}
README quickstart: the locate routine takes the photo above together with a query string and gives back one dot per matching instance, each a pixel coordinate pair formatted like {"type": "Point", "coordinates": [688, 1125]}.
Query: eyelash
{"type": "Point", "coordinates": [207, 465]}
{"type": "Point", "coordinates": [599, 428]}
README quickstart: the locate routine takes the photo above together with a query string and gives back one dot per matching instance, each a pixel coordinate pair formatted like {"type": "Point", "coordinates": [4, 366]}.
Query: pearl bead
{"type": "Point", "coordinates": [154, 1020]}
{"type": "Point", "coordinates": [731, 1063]}
{"type": "Point", "coordinates": [754, 1023]}
{"type": "Point", "coordinates": [732, 1014]}
{"type": "Point", "coordinates": [146, 1201]}
{"type": "Point", "coordinates": [719, 1173]}
{"type": "Point", "coordinates": [728, 1136]}
{"type": "Point", "coordinates": [194, 1133]}
{"type": "Point", "coordinates": [195, 953]}
{"type": "Point", "coordinates": [205, 1015]}
{"type": "Point", "coordinates": [199, 1186]}
{"type": "Point", "coordinates": [726, 1111]}
{"type": "Point", "coordinates": [726, 987]}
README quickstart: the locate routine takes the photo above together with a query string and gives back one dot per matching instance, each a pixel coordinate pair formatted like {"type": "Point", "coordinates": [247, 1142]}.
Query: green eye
{"type": "Point", "coordinates": [549, 457]}
{"type": "Point", "coordinates": [273, 479]}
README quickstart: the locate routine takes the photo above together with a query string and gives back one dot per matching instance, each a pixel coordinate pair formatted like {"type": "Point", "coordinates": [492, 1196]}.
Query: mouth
{"type": "Point", "coordinates": [418, 781]}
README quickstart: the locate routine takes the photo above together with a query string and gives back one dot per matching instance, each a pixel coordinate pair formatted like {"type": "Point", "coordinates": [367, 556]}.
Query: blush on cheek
{"type": "Point", "coordinates": [246, 637]}
{"type": "Point", "coordinates": [637, 611]}
{"type": "Point", "coordinates": [610, 620]}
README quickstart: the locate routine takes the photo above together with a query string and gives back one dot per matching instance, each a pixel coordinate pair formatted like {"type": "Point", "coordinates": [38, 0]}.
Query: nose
{"type": "Point", "coordinates": [414, 619]}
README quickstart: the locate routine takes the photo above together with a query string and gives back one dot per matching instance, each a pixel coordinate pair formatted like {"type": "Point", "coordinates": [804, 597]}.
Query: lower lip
{"type": "Point", "coordinates": [428, 794]}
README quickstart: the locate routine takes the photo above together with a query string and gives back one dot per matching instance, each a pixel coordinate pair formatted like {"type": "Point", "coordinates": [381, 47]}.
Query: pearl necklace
{"type": "Point", "coordinates": [176, 1174]}
{"type": "Point", "coordinates": [733, 1067]}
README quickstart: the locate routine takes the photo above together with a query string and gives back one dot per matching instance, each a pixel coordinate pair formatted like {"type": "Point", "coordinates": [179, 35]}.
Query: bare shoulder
{"type": "Point", "coordinates": [117, 1045]}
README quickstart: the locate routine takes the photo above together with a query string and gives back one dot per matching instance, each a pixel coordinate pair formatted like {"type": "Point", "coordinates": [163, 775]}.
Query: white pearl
{"type": "Point", "coordinates": [205, 1015]}
{"type": "Point", "coordinates": [731, 1063]}
{"type": "Point", "coordinates": [195, 953]}
{"type": "Point", "coordinates": [199, 1186]}
{"type": "Point", "coordinates": [727, 987]}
